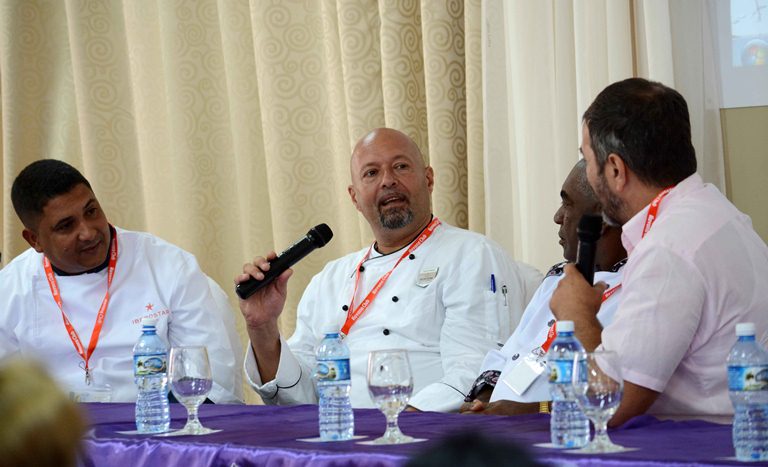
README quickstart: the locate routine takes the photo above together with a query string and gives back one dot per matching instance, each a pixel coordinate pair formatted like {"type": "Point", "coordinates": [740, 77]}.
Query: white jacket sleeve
{"type": "Point", "coordinates": [195, 320]}
{"type": "Point", "coordinates": [293, 383]}
{"type": "Point", "coordinates": [227, 316]}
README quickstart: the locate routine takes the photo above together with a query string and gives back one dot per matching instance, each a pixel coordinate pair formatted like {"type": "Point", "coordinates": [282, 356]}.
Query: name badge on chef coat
{"type": "Point", "coordinates": [520, 374]}
{"type": "Point", "coordinates": [426, 277]}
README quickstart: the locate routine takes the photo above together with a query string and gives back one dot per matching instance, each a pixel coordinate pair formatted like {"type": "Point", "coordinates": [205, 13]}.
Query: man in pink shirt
{"type": "Point", "coordinates": [696, 266]}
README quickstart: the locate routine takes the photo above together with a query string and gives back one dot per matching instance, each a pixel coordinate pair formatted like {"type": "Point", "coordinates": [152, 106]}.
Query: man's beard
{"type": "Point", "coordinates": [395, 218]}
{"type": "Point", "coordinates": [612, 204]}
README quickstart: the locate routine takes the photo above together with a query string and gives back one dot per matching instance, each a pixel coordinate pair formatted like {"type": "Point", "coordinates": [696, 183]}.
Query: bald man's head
{"type": "Point", "coordinates": [380, 136]}
{"type": "Point", "coordinates": [391, 185]}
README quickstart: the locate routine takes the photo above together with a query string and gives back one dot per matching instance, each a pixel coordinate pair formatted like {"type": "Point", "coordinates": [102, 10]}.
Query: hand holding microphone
{"type": "Point", "coordinates": [572, 299]}
{"type": "Point", "coordinates": [317, 237]}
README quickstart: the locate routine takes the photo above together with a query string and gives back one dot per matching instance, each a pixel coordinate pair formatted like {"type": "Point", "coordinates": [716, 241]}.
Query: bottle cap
{"type": "Point", "coordinates": [565, 326]}
{"type": "Point", "coordinates": [331, 329]}
{"type": "Point", "coordinates": [745, 329]}
{"type": "Point", "coordinates": [149, 322]}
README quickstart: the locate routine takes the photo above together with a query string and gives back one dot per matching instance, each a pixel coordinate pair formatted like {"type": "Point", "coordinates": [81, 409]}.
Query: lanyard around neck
{"type": "Point", "coordinates": [85, 355]}
{"type": "Point", "coordinates": [653, 210]}
{"type": "Point", "coordinates": [650, 218]}
{"type": "Point", "coordinates": [354, 313]}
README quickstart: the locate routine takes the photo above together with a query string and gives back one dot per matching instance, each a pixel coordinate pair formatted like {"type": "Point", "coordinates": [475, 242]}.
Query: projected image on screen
{"type": "Point", "coordinates": [749, 33]}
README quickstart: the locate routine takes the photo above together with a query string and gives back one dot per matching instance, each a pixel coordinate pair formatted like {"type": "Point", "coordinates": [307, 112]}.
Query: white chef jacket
{"type": "Point", "coordinates": [446, 324]}
{"type": "Point", "coordinates": [699, 270]}
{"type": "Point", "coordinates": [532, 332]}
{"type": "Point", "coordinates": [152, 279]}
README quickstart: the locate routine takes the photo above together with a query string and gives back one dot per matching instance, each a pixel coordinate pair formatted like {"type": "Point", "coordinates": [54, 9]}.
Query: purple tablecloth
{"type": "Point", "coordinates": [258, 435]}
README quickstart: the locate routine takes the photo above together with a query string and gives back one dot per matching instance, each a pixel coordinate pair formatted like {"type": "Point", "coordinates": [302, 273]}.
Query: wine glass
{"type": "Point", "coordinates": [390, 385]}
{"type": "Point", "coordinates": [190, 376]}
{"type": "Point", "coordinates": [597, 385]}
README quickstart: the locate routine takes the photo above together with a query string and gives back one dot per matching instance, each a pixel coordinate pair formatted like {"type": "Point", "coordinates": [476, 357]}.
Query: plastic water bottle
{"type": "Point", "coordinates": [748, 388]}
{"type": "Point", "coordinates": [150, 371]}
{"type": "Point", "coordinates": [568, 426]}
{"type": "Point", "coordinates": [337, 420]}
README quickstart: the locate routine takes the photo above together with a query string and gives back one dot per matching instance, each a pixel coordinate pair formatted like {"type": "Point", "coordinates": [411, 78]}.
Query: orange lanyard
{"type": "Point", "coordinates": [650, 218]}
{"type": "Point", "coordinates": [653, 210]}
{"type": "Point", "coordinates": [99, 317]}
{"type": "Point", "coordinates": [352, 316]}
{"type": "Point", "coordinates": [607, 294]}
{"type": "Point", "coordinates": [551, 334]}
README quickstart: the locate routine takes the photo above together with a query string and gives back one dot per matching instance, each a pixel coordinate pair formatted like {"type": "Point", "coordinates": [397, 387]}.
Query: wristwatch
{"type": "Point", "coordinates": [487, 379]}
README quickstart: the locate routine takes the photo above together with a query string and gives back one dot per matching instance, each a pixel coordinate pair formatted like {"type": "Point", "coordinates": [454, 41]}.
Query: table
{"type": "Point", "coordinates": [264, 435]}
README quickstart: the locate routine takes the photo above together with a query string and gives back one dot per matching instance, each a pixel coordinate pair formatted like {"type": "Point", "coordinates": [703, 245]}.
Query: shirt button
{"type": "Point", "coordinates": [345, 308]}
{"type": "Point", "coordinates": [411, 256]}
{"type": "Point", "coordinates": [362, 268]}
{"type": "Point", "coordinates": [395, 299]}
{"type": "Point", "coordinates": [385, 332]}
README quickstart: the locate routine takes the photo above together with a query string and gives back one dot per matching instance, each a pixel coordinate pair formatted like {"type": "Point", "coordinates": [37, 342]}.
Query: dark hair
{"type": "Point", "coordinates": [40, 182]}
{"type": "Point", "coordinates": [647, 125]}
{"type": "Point", "coordinates": [472, 450]}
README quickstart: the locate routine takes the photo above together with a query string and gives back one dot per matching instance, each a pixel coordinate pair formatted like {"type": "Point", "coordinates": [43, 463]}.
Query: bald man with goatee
{"type": "Point", "coordinates": [452, 294]}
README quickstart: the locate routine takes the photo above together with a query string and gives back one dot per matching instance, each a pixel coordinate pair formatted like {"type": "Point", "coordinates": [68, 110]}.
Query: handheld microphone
{"type": "Point", "coordinates": [588, 231]}
{"type": "Point", "coordinates": [317, 237]}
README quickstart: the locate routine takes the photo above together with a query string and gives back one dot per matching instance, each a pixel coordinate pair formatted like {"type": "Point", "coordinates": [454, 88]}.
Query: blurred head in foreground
{"type": "Point", "coordinates": [40, 425]}
{"type": "Point", "coordinates": [472, 450]}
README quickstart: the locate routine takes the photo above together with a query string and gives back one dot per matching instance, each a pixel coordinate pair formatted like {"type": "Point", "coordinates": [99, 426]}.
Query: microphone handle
{"type": "Point", "coordinates": [287, 258]}
{"type": "Point", "coordinates": [585, 260]}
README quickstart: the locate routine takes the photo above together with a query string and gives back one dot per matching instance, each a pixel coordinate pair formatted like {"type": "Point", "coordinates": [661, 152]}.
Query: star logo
{"type": "Point", "coordinates": [149, 307]}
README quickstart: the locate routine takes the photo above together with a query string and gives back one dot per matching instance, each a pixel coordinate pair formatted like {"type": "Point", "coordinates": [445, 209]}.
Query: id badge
{"type": "Point", "coordinates": [92, 393]}
{"type": "Point", "coordinates": [426, 277]}
{"type": "Point", "coordinates": [521, 374]}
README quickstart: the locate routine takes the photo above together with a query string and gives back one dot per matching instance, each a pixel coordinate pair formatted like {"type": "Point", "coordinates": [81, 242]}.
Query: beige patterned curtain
{"type": "Point", "coordinates": [226, 126]}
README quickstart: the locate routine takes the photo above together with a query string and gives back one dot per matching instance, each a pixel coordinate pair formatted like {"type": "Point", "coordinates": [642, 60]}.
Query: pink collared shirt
{"type": "Point", "coordinates": [699, 270]}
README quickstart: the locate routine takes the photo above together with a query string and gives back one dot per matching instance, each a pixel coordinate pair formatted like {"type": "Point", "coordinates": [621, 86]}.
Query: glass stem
{"type": "Point", "coordinates": [601, 431]}
{"type": "Point", "coordinates": [192, 416]}
{"type": "Point", "coordinates": [392, 428]}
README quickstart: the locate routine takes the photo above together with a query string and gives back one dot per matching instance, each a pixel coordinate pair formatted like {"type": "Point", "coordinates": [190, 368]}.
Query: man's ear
{"type": "Point", "coordinates": [430, 178]}
{"type": "Point", "coordinates": [615, 171]}
{"type": "Point", "coordinates": [353, 196]}
{"type": "Point", "coordinates": [31, 238]}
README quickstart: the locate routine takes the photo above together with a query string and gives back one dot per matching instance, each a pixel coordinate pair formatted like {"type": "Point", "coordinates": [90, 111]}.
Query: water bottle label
{"type": "Point", "coordinates": [560, 371]}
{"type": "Point", "coordinates": [145, 365]}
{"type": "Point", "coordinates": [333, 370]}
{"type": "Point", "coordinates": [748, 378]}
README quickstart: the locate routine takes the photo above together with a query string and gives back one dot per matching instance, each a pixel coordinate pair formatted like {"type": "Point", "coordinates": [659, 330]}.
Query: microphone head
{"type": "Point", "coordinates": [320, 235]}
{"type": "Point", "coordinates": [590, 227]}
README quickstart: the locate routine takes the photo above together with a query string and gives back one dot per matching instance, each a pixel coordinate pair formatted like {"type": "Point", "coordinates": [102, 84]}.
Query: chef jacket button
{"type": "Point", "coordinates": [395, 299]}
{"type": "Point", "coordinates": [411, 256]}
{"type": "Point", "coordinates": [345, 308]}
{"type": "Point", "coordinates": [362, 268]}
{"type": "Point", "coordinates": [385, 332]}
